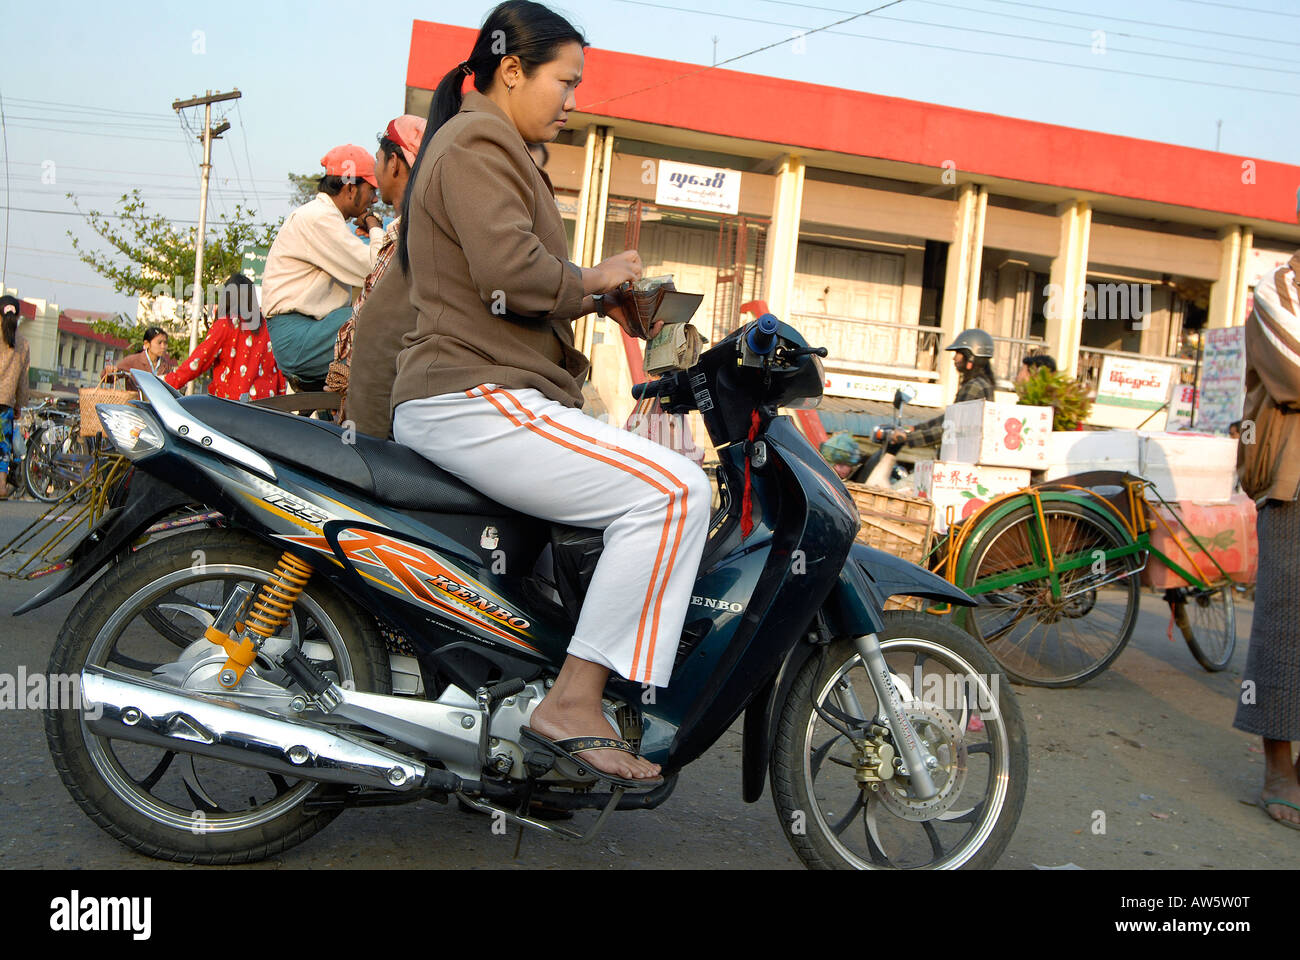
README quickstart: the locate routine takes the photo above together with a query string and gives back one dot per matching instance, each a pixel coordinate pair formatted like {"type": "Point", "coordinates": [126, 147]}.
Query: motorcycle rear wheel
{"type": "Point", "coordinates": [171, 805]}
{"type": "Point", "coordinates": [958, 700]}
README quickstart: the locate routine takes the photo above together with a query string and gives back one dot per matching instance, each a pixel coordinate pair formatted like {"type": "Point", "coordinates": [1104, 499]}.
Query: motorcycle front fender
{"type": "Point", "coordinates": [869, 578]}
{"type": "Point", "coordinates": [853, 609]}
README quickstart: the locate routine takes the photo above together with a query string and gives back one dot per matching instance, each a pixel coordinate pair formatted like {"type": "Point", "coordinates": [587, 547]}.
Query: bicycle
{"type": "Point", "coordinates": [1057, 565]}
{"type": "Point", "coordinates": [58, 459]}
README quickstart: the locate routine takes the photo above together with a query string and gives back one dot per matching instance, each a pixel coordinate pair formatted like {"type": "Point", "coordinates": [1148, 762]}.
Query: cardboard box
{"type": "Point", "coordinates": [997, 434]}
{"type": "Point", "coordinates": [966, 487]}
{"type": "Point", "coordinates": [1186, 466]}
{"type": "Point", "coordinates": [1225, 530]}
{"type": "Point", "coordinates": [1079, 451]}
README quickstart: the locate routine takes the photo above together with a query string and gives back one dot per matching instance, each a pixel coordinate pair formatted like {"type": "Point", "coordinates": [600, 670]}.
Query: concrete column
{"type": "Point", "coordinates": [1244, 279]}
{"type": "Point", "coordinates": [1065, 301]}
{"type": "Point", "coordinates": [962, 279]}
{"type": "Point", "coordinates": [1223, 292]}
{"type": "Point", "coordinates": [582, 227]}
{"type": "Point", "coordinates": [783, 236]}
{"type": "Point", "coordinates": [1228, 293]}
{"type": "Point", "coordinates": [593, 205]}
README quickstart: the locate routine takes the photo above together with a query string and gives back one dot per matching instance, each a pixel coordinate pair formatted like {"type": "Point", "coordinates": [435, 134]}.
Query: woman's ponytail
{"type": "Point", "coordinates": [521, 28]}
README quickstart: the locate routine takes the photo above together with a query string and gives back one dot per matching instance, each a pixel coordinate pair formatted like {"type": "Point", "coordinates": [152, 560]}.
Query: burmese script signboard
{"type": "Point", "coordinates": [713, 189]}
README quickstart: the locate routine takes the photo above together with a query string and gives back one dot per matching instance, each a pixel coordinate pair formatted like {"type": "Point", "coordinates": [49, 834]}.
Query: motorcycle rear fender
{"type": "Point", "coordinates": [869, 578]}
{"type": "Point", "coordinates": [149, 499]}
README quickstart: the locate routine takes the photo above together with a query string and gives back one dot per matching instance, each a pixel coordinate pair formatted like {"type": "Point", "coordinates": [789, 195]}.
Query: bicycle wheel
{"type": "Point", "coordinates": [1038, 638]}
{"type": "Point", "coordinates": [1208, 621]}
{"type": "Point", "coordinates": [40, 466]}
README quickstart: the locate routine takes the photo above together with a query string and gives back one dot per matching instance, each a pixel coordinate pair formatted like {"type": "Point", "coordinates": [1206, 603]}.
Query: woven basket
{"type": "Point", "coordinates": [894, 522]}
{"type": "Point", "coordinates": [89, 396]}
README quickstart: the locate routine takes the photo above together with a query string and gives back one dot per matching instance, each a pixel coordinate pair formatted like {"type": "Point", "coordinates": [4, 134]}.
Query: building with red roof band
{"type": "Point", "coordinates": [881, 227]}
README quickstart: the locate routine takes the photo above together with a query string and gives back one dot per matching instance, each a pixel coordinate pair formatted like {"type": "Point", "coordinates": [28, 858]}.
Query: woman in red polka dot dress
{"type": "Point", "coordinates": [237, 349]}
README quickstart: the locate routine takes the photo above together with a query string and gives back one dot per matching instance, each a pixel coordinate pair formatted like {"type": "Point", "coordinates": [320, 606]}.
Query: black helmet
{"type": "Point", "coordinates": [976, 342]}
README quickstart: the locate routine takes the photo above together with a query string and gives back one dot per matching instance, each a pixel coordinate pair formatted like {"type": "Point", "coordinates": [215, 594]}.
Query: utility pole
{"type": "Point", "coordinates": [1218, 135]}
{"type": "Point", "coordinates": [208, 135]}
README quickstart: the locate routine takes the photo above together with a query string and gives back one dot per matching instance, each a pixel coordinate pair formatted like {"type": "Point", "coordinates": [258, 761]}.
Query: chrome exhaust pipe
{"type": "Point", "coordinates": [126, 708]}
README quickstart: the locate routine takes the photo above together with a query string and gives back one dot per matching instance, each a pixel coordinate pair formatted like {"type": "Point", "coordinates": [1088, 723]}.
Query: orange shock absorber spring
{"type": "Point", "coordinates": [275, 602]}
{"type": "Point", "coordinates": [269, 613]}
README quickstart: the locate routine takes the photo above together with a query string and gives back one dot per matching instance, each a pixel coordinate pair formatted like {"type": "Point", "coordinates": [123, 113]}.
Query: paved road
{"type": "Point", "coordinates": [1149, 744]}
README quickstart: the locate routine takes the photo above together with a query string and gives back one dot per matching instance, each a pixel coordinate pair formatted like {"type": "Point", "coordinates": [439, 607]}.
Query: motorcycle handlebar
{"type": "Point", "coordinates": [762, 335]}
{"type": "Point", "coordinates": [655, 388]}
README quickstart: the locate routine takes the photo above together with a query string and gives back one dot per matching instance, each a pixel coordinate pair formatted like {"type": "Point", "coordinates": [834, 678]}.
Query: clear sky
{"type": "Point", "coordinates": [87, 87]}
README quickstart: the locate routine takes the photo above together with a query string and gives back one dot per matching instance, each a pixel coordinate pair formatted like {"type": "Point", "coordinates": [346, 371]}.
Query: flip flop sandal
{"type": "Point", "coordinates": [570, 748]}
{"type": "Point", "coordinates": [1264, 805]}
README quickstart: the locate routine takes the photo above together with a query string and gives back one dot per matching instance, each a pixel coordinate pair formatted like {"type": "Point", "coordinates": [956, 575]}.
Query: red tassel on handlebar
{"type": "Point", "coordinates": [746, 503]}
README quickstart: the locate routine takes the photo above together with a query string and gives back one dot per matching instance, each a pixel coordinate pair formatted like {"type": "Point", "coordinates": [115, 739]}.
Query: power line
{"type": "Point", "coordinates": [56, 253]}
{"type": "Point", "coordinates": [134, 125]}
{"type": "Point", "coordinates": [1076, 26]}
{"type": "Point", "coordinates": [89, 133]}
{"type": "Point", "coordinates": [243, 135]}
{"type": "Point", "coordinates": [140, 173]}
{"type": "Point", "coordinates": [1144, 23]}
{"type": "Point", "coordinates": [4, 129]}
{"type": "Point", "coordinates": [132, 183]}
{"type": "Point", "coordinates": [84, 108]}
{"type": "Point", "coordinates": [1233, 6]}
{"type": "Point", "coordinates": [937, 46]}
{"type": "Point", "coordinates": [1064, 43]}
{"type": "Point", "coordinates": [741, 56]}
{"type": "Point", "coordinates": [118, 216]}
{"type": "Point", "coordinates": [75, 283]}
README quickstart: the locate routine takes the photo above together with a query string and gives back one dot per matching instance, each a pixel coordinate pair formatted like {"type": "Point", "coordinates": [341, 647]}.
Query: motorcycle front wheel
{"type": "Point", "coordinates": [172, 805]}
{"type": "Point", "coordinates": [840, 789]}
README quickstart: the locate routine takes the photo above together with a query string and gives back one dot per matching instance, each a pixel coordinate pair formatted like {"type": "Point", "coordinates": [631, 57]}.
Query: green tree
{"type": "Point", "coordinates": [150, 256]}
{"type": "Point", "coordinates": [304, 188]}
{"type": "Point", "coordinates": [124, 328]}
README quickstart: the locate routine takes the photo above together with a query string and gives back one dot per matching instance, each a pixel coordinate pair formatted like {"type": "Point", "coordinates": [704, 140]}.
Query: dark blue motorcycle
{"type": "Point", "coordinates": [359, 628]}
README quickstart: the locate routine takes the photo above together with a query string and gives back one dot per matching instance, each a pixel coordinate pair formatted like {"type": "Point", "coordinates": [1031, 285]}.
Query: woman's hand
{"type": "Point", "coordinates": [609, 275]}
{"type": "Point", "coordinates": [616, 313]}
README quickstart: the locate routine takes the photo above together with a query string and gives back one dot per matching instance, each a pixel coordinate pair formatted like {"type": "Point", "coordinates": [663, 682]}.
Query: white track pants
{"type": "Point", "coordinates": [554, 462]}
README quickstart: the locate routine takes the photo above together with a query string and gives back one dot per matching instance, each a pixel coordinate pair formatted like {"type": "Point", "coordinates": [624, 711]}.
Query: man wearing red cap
{"type": "Point", "coordinates": [398, 146]}
{"type": "Point", "coordinates": [315, 262]}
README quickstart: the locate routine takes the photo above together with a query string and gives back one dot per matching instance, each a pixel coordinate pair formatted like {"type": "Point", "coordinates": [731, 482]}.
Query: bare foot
{"type": "Point", "coordinates": [557, 721]}
{"type": "Point", "coordinates": [1282, 788]}
{"type": "Point", "coordinates": [1281, 780]}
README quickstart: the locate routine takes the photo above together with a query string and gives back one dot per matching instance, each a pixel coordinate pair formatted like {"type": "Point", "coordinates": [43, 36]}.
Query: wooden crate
{"type": "Point", "coordinates": [894, 522]}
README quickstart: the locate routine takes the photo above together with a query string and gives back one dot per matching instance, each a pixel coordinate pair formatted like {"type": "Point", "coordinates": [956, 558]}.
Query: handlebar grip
{"type": "Point", "coordinates": [662, 387]}
{"type": "Point", "coordinates": [762, 335]}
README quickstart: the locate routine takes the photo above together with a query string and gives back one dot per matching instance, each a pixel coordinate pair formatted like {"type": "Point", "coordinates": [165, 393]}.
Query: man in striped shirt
{"type": "Point", "coordinates": [1270, 472]}
{"type": "Point", "coordinates": [398, 146]}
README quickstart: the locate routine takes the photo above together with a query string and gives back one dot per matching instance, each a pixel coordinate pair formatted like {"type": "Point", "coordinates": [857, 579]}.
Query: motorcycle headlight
{"type": "Point", "coordinates": [134, 434]}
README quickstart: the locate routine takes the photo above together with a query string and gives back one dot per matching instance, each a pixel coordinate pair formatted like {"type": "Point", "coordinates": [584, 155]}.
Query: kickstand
{"type": "Point", "coordinates": [523, 812]}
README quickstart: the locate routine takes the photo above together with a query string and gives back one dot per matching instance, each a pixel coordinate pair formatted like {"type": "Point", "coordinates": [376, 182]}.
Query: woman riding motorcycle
{"type": "Point", "coordinates": [488, 382]}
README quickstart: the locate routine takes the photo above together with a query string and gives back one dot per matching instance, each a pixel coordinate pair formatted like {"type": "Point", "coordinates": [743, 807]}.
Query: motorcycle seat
{"type": "Point", "coordinates": [389, 472]}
